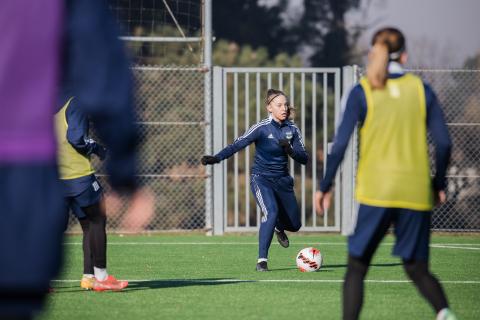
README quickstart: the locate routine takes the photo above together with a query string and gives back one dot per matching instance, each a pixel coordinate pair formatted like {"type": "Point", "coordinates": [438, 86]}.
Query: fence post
{"type": "Point", "coordinates": [337, 197]}
{"type": "Point", "coordinates": [348, 166]}
{"type": "Point", "coordinates": [218, 143]}
{"type": "Point", "coordinates": [207, 64]}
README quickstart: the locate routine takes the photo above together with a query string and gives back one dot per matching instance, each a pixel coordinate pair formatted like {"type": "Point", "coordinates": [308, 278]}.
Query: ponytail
{"type": "Point", "coordinates": [388, 44]}
{"type": "Point", "coordinates": [377, 67]}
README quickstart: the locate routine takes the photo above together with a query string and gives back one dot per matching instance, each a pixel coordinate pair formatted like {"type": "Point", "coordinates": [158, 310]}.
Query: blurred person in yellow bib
{"type": "Point", "coordinates": [83, 193]}
{"type": "Point", "coordinates": [394, 111]}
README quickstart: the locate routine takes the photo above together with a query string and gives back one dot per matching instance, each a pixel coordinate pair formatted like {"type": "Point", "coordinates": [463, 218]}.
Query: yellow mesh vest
{"type": "Point", "coordinates": [71, 164]}
{"type": "Point", "coordinates": [393, 170]}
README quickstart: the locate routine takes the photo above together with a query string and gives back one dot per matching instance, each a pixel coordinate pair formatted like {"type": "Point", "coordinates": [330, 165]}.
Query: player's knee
{"type": "Point", "coordinates": [84, 223]}
{"type": "Point", "coordinates": [357, 267]}
{"type": "Point", "coordinates": [95, 213]}
{"type": "Point", "coordinates": [415, 270]}
{"type": "Point", "coordinates": [296, 227]}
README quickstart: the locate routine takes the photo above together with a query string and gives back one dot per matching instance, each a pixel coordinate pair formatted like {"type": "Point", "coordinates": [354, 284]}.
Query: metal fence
{"type": "Point", "coordinates": [171, 107]}
{"type": "Point", "coordinates": [171, 121]}
{"type": "Point", "coordinates": [458, 92]}
{"type": "Point", "coordinates": [238, 104]}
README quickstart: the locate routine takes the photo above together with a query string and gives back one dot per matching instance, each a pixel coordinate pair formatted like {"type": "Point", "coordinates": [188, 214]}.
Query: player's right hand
{"type": "Point", "coordinates": [322, 201]}
{"type": "Point", "coordinates": [206, 160]}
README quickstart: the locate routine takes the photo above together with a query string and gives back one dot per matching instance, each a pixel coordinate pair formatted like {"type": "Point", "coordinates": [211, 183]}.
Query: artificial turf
{"type": "Point", "coordinates": [199, 277]}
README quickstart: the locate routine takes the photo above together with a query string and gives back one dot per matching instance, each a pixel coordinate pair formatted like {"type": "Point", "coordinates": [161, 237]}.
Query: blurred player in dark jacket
{"type": "Point", "coordinates": [45, 45]}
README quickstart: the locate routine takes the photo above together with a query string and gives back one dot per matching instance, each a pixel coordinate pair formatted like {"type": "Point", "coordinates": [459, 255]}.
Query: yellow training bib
{"type": "Point", "coordinates": [393, 170]}
{"type": "Point", "coordinates": [71, 163]}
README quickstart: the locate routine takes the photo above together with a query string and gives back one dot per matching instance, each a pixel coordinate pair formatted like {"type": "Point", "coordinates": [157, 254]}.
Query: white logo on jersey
{"type": "Point", "coordinates": [95, 186]}
{"type": "Point", "coordinates": [289, 135]}
{"type": "Point", "coordinates": [270, 136]}
{"type": "Point", "coordinates": [394, 91]}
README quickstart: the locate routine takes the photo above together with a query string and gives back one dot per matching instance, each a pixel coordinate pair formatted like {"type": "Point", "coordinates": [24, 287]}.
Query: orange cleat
{"type": "Point", "coordinates": [109, 284]}
{"type": "Point", "coordinates": [87, 283]}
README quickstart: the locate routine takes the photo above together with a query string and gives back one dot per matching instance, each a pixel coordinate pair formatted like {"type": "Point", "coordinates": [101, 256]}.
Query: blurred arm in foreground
{"type": "Point", "coordinates": [97, 73]}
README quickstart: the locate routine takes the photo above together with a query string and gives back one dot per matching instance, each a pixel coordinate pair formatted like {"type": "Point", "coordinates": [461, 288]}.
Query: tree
{"type": "Point", "coordinates": [247, 23]}
{"type": "Point", "coordinates": [320, 28]}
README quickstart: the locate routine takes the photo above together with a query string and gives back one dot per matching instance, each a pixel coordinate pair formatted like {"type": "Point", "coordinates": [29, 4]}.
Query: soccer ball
{"type": "Point", "coordinates": [309, 259]}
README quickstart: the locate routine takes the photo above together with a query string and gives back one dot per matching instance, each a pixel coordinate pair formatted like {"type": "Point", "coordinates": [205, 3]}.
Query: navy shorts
{"type": "Point", "coordinates": [411, 228]}
{"type": "Point", "coordinates": [90, 196]}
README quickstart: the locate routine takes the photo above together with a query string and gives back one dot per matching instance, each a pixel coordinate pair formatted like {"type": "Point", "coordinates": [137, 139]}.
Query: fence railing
{"type": "Point", "coordinates": [172, 125]}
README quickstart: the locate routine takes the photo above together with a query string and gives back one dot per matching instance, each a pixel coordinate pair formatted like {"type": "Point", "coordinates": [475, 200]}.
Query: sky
{"type": "Point", "coordinates": [439, 33]}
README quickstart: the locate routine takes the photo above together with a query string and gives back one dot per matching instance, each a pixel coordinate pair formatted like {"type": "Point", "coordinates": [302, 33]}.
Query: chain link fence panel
{"type": "Point", "coordinates": [170, 110]}
{"type": "Point", "coordinates": [170, 105]}
{"type": "Point", "coordinates": [459, 94]}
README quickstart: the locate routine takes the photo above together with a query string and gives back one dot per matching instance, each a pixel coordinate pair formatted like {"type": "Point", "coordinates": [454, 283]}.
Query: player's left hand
{"type": "Point", "coordinates": [322, 201]}
{"type": "Point", "coordinates": [440, 197]}
{"type": "Point", "coordinates": [285, 144]}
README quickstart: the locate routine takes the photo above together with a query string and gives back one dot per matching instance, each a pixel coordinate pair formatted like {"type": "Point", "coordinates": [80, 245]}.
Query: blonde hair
{"type": "Point", "coordinates": [387, 45]}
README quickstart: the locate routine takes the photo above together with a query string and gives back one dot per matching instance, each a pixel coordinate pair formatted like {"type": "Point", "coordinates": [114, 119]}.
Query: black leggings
{"type": "Point", "coordinates": [418, 272]}
{"type": "Point", "coordinates": [94, 238]}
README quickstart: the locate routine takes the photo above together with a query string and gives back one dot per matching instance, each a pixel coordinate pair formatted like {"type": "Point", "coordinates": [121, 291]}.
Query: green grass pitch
{"type": "Point", "coordinates": [200, 277]}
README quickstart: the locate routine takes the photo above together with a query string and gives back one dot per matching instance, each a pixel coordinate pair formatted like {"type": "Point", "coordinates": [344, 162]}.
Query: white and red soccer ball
{"type": "Point", "coordinates": [309, 259]}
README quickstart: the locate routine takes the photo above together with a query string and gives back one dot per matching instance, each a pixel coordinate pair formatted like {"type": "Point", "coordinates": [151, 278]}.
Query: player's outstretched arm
{"type": "Point", "coordinates": [240, 143]}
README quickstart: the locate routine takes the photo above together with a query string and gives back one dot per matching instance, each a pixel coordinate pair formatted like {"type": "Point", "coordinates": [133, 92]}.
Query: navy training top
{"type": "Point", "coordinates": [270, 158]}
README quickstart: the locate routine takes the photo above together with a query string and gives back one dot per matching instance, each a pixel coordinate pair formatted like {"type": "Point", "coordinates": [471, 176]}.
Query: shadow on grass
{"type": "Point", "coordinates": [176, 283]}
{"type": "Point", "coordinates": [334, 266]}
{"type": "Point", "coordinates": [72, 288]}
{"type": "Point", "coordinates": [153, 284]}
{"type": "Point", "coordinates": [283, 269]}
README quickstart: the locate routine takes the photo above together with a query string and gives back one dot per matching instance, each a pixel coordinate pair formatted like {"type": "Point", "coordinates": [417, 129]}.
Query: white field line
{"type": "Point", "coordinates": [206, 243]}
{"type": "Point", "coordinates": [466, 246]}
{"type": "Point", "coordinates": [272, 281]}
{"type": "Point", "coordinates": [453, 247]}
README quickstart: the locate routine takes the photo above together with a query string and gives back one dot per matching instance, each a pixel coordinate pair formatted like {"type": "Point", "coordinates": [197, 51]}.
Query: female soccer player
{"type": "Point", "coordinates": [275, 139]}
{"type": "Point", "coordinates": [394, 110]}
{"type": "Point", "coordinates": [83, 193]}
